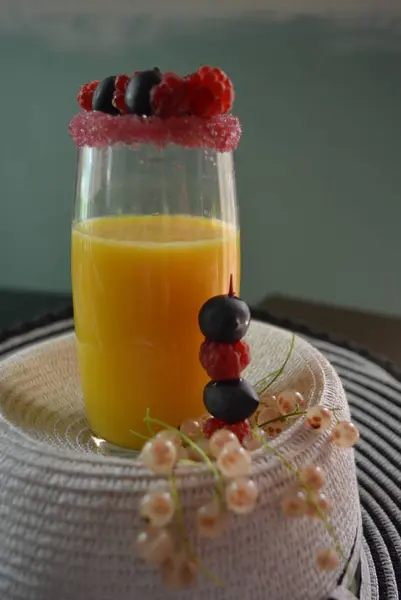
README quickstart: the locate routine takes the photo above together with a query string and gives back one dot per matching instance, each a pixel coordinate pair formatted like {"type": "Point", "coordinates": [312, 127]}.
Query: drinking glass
{"type": "Point", "coordinates": [155, 234]}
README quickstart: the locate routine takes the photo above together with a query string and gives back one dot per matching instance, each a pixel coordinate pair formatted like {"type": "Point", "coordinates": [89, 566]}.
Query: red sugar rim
{"type": "Point", "coordinates": [97, 129]}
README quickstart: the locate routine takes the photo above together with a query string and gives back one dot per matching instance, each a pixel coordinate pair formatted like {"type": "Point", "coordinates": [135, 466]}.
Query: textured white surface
{"type": "Point", "coordinates": [68, 518]}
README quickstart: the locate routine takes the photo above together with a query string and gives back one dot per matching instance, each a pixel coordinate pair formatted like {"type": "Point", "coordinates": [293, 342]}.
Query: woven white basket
{"type": "Point", "coordinates": [68, 517]}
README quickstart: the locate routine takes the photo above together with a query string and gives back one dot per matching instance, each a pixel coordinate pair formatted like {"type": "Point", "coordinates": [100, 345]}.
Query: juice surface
{"type": "Point", "coordinates": [138, 285]}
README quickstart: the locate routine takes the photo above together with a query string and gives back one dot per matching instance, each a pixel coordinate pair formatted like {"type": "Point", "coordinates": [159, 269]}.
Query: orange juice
{"type": "Point", "coordinates": [138, 284]}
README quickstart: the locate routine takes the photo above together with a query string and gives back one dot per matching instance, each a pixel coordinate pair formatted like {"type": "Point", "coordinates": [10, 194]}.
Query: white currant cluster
{"type": "Point", "coordinates": [277, 412]}
{"type": "Point", "coordinates": [344, 433]}
{"type": "Point", "coordinates": [306, 499]}
{"type": "Point", "coordinates": [157, 544]}
{"type": "Point", "coordinates": [236, 491]}
{"type": "Point", "coordinates": [240, 491]}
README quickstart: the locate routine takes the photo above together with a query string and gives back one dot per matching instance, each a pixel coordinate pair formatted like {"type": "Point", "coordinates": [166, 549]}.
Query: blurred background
{"type": "Point", "coordinates": [318, 169]}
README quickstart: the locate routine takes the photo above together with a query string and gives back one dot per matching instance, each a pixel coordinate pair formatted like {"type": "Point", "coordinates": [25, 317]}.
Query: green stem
{"type": "Point", "coordinates": [281, 369]}
{"type": "Point", "coordinates": [262, 381]}
{"type": "Point", "coordinates": [332, 533]}
{"type": "Point", "coordinates": [194, 446]}
{"type": "Point", "coordinates": [296, 413]}
{"type": "Point", "coordinates": [179, 514]}
{"type": "Point", "coordinates": [329, 526]}
{"type": "Point", "coordinates": [280, 456]}
{"type": "Point", "coordinates": [142, 437]}
{"type": "Point", "coordinates": [184, 538]}
{"type": "Point", "coordinates": [148, 425]}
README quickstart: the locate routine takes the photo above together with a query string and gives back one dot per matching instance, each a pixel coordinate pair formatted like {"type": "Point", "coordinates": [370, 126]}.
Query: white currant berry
{"type": "Point", "coordinates": [204, 446]}
{"type": "Point", "coordinates": [287, 402]}
{"type": "Point", "coordinates": [203, 418]}
{"type": "Point", "coordinates": [220, 439]}
{"type": "Point", "coordinates": [318, 504]}
{"type": "Point", "coordinates": [253, 441]}
{"type": "Point", "coordinates": [345, 434]}
{"type": "Point", "coordinates": [300, 400]}
{"type": "Point", "coordinates": [183, 453]}
{"type": "Point", "coordinates": [191, 428]}
{"type": "Point", "coordinates": [268, 414]}
{"type": "Point", "coordinates": [318, 418]}
{"type": "Point", "coordinates": [312, 477]}
{"type": "Point", "coordinates": [154, 546]}
{"type": "Point", "coordinates": [268, 400]}
{"type": "Point", "coordinates": [241, 495]}
{"type": "Point", "coordinates": [234, 461]}
{"type": "Point", "coordinates": [269, 421]}
{"type": "Point", "coordinates": [211, 520]}
{"type": "Point", "coordinates": [172, 436]}
{"type": "Point", "coordinates": [179, 572]}
{"type": "Point", "coordinates": [274, 429]}
{"type": "Point", "coordinates": [327, 559]}
{"type": "Point", "coordinates": [159, 456]}
{"type": "Point", "coordinates": [157, 507]}
{"type": "Point", "coordinates": [294, 504]}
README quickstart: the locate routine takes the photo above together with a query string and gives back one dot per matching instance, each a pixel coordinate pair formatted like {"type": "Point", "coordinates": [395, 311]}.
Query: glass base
{"type": "Point", "coordinates": [108, 449]}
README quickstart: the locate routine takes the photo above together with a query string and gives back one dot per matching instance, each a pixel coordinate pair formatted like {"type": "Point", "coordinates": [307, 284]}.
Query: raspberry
{"type": "Point", "coordinates": [119, 93]}
{"type": "Point", "coordinates": [121, 82]}
{"type": "Point", "coordinates": [170, 98]}
{"type": "Point", "coordinates": [211, 92]}
{"type": "Point", "coordinates": [224, 361]}
{"type": "Point", "coordinates": [241, 429]}
{"type": "Point", "coordinates": [85, 94]}
{"type": "Point", "coordinates": [211, 425]}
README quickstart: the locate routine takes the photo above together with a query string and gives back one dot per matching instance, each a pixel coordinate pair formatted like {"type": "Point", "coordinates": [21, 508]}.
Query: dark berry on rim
{"type": "Point", "coordinates": [224, 319]}
{"type": "Point", "coordinates": [137, 92]}
{"type": "Point", "coordinates": [231, 401]}
{"type": "Point", "coordinates": [103, 96]}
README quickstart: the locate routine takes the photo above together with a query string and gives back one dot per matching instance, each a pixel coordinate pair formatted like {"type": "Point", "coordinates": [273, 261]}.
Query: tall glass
{"type": "Point", "coordinates": [155, 234]}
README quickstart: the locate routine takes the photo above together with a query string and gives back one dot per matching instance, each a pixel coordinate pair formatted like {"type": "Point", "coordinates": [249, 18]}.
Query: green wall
{"type": "Point", "coordinates": [318, 168]}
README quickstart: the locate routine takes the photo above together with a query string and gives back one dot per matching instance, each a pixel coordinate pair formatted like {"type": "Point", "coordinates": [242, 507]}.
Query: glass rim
{"type": "Point", "coordinates": [96, 130]}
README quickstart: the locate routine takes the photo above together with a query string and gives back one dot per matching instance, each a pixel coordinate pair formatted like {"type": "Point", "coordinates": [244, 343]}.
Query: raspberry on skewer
{"type": "Point", "coordinates": [224, 361]}
{"type": "Point", "coordinates": [241, 429]}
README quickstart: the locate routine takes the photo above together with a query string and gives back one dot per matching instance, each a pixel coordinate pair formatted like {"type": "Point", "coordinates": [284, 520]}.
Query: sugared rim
{"type": "Point", "coordinates": [96, 130]}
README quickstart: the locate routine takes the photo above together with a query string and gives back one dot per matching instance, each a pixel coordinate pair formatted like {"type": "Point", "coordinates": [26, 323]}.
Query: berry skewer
{"type": "Point", "coordinates": [224, 320]}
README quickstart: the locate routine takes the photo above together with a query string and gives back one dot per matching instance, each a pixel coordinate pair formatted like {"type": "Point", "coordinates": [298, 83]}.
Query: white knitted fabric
{"type": "Point", "coordinates": [68, 517]}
